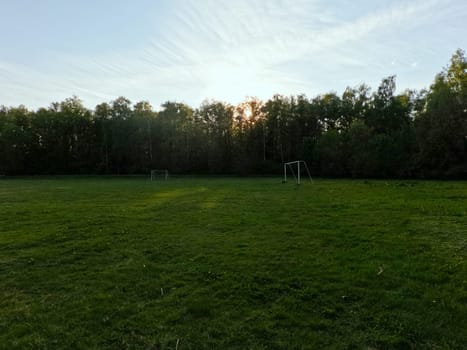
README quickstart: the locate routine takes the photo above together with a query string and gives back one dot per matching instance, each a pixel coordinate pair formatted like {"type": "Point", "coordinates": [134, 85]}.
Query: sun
{"type": "Point", "coordinates": [247, 113]}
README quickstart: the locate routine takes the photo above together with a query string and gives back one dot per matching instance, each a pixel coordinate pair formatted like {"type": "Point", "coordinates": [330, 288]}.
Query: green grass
{"type": "Point", "coordinates": [117, 263]}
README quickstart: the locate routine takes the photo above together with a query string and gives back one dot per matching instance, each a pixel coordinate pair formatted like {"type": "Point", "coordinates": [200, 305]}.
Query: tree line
{"type": "Point", "coordinates": [358, 134]}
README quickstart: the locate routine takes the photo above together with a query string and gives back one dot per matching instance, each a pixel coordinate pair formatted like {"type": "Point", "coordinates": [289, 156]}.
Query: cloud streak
{"type": "Point", "coordinates": [228, 50]}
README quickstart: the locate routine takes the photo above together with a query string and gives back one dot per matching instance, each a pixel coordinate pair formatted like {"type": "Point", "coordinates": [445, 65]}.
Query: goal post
{"type": "Point", "coordinates": [296, 168]}
{"type": "Point", "coordinates": [159, 174]}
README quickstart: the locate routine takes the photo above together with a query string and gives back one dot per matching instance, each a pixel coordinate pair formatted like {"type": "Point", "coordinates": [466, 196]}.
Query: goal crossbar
{"type": "Point", "coordinates": [164, 173]}
{"type": "Point", "coordinates": [298, 163]}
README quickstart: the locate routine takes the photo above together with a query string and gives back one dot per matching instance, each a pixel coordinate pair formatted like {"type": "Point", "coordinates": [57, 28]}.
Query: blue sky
{"type": "Point", "coordinates": [190, 50]}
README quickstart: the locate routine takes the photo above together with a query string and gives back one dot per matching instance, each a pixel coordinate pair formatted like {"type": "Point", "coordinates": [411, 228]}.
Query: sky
{"type": "Point", "coordinates": [192, 50]}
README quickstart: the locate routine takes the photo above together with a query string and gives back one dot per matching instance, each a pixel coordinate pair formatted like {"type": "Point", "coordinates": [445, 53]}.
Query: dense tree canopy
{"type": "Point", "coordinates": [358, 134]}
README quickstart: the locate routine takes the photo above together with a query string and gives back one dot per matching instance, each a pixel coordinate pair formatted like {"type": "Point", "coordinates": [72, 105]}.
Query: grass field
{"type": "Point", "coordinates": [117, 263]}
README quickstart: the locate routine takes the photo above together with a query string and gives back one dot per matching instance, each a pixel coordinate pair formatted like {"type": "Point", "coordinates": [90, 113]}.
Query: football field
{"type": "Point", "coordinates": [232, 263]}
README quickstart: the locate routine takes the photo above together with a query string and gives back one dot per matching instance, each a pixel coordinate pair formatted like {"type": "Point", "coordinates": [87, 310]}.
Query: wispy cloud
{"type": "Point", "coordinates": [228, 50]}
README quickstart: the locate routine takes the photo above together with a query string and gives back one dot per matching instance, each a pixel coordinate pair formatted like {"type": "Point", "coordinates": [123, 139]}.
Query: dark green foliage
{"type": "Point", "coordinates": [442, 125]}
{"type": "Point", "coordinates": [215, 124]}
{"type": "Point", "coordinates": [125, 263]}
{"type": "Point", "coordinates": [331, 155]}
{"type": "Point", "coordinates": [380, 134]}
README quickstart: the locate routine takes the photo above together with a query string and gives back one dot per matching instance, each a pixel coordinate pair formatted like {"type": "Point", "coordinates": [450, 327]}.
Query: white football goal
{"type": "Point", "coordinates": [157, 174]}
{"type": "Point", "coordinates": [297, 168]}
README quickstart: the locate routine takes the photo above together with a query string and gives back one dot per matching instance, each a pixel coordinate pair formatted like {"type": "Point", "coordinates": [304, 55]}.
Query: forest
{"type": "Point", "coordinates": [362, 133]}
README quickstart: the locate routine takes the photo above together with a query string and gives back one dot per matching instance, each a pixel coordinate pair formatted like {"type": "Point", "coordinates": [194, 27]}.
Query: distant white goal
{"type": "Point", "coordinates": [297, 169]}
{"type": "Point", "coordinates": [157, 174]}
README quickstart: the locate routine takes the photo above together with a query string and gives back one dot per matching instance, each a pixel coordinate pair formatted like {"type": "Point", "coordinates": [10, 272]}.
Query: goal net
{"type": "Point", "coordinates": [157, 174]}
{"type": "Point", "coordinates": [298, 169]}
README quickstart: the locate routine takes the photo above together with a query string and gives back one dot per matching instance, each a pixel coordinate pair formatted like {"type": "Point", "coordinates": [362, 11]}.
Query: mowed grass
{"type": "Point", "coordinates": [206, 263]}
